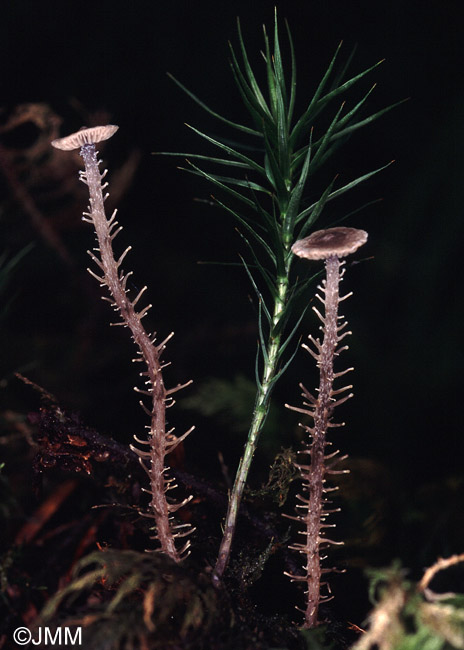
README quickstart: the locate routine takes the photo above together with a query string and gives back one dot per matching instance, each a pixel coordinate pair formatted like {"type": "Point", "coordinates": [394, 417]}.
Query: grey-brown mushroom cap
{"type": "Point", "coordinates": [84, 136]}
{"type": "Point", "coordinates": [321, 244]}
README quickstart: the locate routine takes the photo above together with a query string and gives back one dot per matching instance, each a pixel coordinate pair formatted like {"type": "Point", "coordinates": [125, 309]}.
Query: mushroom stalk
{"type": "Point", "coordinates": [313, 475]}
{"type": "Point", "coordinates": [160, 442]}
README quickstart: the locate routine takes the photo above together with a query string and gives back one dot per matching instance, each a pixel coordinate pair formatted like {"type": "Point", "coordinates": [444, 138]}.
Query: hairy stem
{"type": "Point", "coordinates": [159, 442]}
{"type": "Point", "coordinates": [313, 503]}
{"type": "Point", "coordinates": [314, 475]}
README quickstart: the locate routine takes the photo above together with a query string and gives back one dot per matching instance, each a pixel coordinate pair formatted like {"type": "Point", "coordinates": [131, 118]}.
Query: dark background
{"type": "Point", "coordinates": [403, 427]}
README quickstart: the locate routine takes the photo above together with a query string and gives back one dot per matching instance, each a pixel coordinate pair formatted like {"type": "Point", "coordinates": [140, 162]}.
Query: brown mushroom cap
{"type": "Point", "coordinates": [85, 136]}
{"type": "Point", "coordinates": [338, 242]}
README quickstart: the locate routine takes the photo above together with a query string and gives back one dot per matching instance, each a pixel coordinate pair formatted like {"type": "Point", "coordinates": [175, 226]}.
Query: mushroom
{"type": "Point", "coordinates": [160, 442]}
{"type": "Point", "coordinates": [312, 512]}
{"type": "Point", "coordinates": [85, 135]}
{"type": "Point", "coordinates": [338, 242]}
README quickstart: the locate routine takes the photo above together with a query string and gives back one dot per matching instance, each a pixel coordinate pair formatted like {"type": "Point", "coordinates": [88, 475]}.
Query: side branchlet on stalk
{"type": "Point", "coordinates": [270, 174]}
{"type": "Point", "coordinates": [110, 275]}
{"type": "Point", "coordinates": [317, 463]}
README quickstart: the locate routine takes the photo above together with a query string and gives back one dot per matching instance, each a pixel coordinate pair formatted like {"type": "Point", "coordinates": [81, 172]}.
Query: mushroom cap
{"type": "Point", "coordinates": [338, 242]}
{"type": "Point", "coordinates": [85, 136]}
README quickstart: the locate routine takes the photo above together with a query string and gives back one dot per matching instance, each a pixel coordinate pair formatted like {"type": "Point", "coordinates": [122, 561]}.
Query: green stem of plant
{"type": "Point", "coordinates": [259, 417]}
